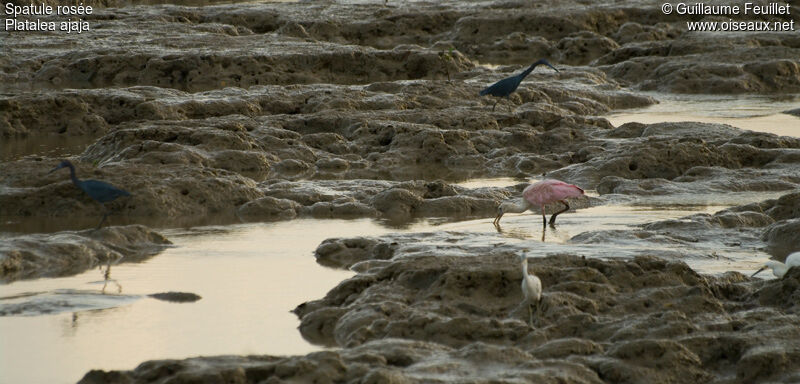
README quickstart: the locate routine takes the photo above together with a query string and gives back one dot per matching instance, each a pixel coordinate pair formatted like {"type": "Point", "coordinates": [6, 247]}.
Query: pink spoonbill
{"type": "Point", "coordinates": [540, 194]}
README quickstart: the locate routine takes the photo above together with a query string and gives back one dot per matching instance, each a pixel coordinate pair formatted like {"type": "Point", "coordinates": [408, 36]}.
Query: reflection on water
{"type": "Point", "coordinates": [755, 113]}
{"type": "Point", "coordinates": [44, 145]}
{"type": "Point", "coordinates": [491, 182]}
{"type": "Point", "coordinates": [249, 277]}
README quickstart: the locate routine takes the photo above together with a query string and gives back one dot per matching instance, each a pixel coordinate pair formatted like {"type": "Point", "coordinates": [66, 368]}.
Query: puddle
{"type": "Point", "coordinates": [249, 278]}
{"type": "Point", "coordinates": [53, 146]}
{"type": "Point", "coordinates": [498, 182]}
{"type": "Point", "coordinates": [756, 113]}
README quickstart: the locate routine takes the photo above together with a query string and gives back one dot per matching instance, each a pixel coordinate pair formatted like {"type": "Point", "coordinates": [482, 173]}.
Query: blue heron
{"type": "Point", "coordinates": [507, 86]}
{"type": "Point", "coordinates": [100, 191]}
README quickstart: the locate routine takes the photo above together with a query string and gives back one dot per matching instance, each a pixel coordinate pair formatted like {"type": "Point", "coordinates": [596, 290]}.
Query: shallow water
{"type": "Point", "coordinates": [44, 145]}
{"type": "Point", "coordinates": [254, 274]}
{"type": "Point", "coordinates": [755, 113]}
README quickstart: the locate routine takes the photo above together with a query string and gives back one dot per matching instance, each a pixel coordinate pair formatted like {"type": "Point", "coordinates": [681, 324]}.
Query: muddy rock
{"type": "Point", "coordinates": [158, 191]}
{"type": "Point", "coordinates": [343, 253]}
{"type": "Point", "coordinates": [68, 253]}
{"type": "Point", "coordinates": [735, 231]}
{"type": "Point", "coordinates": [268, 208]}
{"type": "Point", "coordinates": [176, 297]}
{"type": "Point", "coordinates": [275, 43]}
{"type": "Point", "coordinates": [395, 201]}
{"type": "Point", "coordinates": [783, 237]}
{"type": "Point", "coordinates": [396, 132]}
{"type": "Point", "coordinates": [665, 158]}
{"type": "Point", "coordinates": [583, 47]}
{"type": "Point", "coordinates": [381, 361]}
{"type": "Point", "coordinates": [625, 319]}
{"type": "Point", "coordinates": [783, 208]}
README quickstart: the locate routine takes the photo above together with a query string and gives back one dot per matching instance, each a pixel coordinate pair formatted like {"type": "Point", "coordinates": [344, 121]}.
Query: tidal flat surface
{"type": "Point", "coordinates": [255, 137]}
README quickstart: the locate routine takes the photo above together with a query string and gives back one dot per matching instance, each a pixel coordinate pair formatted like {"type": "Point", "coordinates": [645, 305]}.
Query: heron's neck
{"type": "Point", "coordinates": [519, 206]}
{"type": "Point", "coordinates": [72, 175]}
{"type": "Point", "coordinates": [528, 71]}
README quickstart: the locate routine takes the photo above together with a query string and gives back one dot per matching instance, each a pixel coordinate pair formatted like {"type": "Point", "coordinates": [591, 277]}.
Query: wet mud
{"type": "Point", "coordinates": [271, 112]}
{"type": "Point", "coordinates": [26, 256]}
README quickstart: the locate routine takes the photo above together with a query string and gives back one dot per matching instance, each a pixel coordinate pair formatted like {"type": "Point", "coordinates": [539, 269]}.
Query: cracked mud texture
{"type": "Point", "coordinates": [69, 252]}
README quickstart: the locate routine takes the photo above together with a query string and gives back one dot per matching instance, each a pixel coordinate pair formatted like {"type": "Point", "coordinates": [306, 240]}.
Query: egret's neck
{"type": "Point", "coordinates": [525, 267]}
{"type": "Point", "coordinates": [518, 206]}
{"type": "Point", "coordinates": [780, 269]}
{"type": "Point", "coordinates": [72, 174]}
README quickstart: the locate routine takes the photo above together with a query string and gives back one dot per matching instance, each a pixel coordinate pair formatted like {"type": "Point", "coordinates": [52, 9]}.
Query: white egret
{"type": "Point", "coordinates": [779, 269]}
{"type": "Point", "coordinates": [531, 288]}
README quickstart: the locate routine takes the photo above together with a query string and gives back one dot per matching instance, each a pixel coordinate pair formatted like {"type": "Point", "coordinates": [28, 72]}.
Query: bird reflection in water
{"type": "Point", "coordinates": [107, 278]}
{"type": "Point", "coordinates": [516, 233]}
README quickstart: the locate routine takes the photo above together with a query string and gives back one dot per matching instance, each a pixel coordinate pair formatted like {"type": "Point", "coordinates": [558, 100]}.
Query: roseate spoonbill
{"type": "Point", "coordinates": [531, 288]}
{"type": "Point", "coordinates": [779, 269]}
{"type": "Point", "coordinates": [507, 86]}
{"type": "Point", "coordinates": [99, 191]}
{"type": "Point", "coordinates": [540, 193]}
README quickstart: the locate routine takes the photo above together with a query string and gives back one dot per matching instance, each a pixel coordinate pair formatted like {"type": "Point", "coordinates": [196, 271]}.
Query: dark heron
{"type": "Point", "coordinates": [100, 191]}
{"type": "Point", "coordinates": [507, 86]}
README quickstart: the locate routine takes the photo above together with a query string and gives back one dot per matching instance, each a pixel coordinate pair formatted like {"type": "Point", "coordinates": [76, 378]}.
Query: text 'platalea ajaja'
{"type": "Point", "coordinates": [540, 194]}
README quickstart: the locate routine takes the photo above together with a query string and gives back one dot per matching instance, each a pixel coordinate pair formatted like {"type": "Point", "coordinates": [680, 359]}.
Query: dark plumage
{"type": "Point", "coordinates": [99, 191]}
{"type": "Point", "coordinates": [507, 86]}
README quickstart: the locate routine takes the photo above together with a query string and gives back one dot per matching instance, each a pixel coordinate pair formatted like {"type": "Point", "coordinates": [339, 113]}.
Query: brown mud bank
{"type": "Point", "coordinates": [309, 42]}
{"type": "Point", "coordinates": [265, 171]}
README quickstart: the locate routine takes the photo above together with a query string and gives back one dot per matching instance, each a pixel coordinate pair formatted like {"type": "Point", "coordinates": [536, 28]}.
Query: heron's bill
{"type": "Point", "coordinates": [497, 219]}
{"type": "Point", "coordinates": [761, 269]}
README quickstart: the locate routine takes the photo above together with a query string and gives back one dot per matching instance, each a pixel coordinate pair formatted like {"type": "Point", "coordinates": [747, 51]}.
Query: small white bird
{"type": "Point", "coordinates": [531, 288]}
{"type": "Point", "coordinates": [779, 269]}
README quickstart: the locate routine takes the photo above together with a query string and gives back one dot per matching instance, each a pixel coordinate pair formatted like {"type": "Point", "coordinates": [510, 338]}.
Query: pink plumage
{"type": "Point", "coordinates": [550, 190]}
{"type": "Point", "coordinates": [538, 195]}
